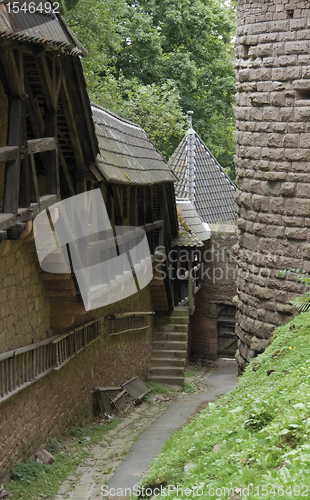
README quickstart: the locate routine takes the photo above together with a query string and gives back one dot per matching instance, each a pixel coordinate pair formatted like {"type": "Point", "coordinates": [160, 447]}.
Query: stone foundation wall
{"type": "Point", "coordinates": [216, 293]}
{"type": "Point", "coordinates": [63, 398]}
{"type": "Point", "coordinates": [273, 155]}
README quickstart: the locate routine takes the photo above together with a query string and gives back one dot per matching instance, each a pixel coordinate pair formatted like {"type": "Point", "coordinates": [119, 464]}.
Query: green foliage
{"type": "Point", "coordinates": [189, 388]}
{"type": "Point", "coordinates": [29, 471]}
{"type": "Point", "coordinates": [193, 371]}
{"type": "Point", "coordinates": [34, 481]}
{"type": "Point", "coordinates": [53, 446]}
{"type": "Point", "coordinates": [261, 429]}
{"type": "Point", "coordinates": [153, 60]}
{"type": "Point", "coordinates": [159, 389]}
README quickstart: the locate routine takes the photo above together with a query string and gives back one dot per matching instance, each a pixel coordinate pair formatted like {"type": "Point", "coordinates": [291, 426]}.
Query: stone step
{"type": "Point", "coordinates": [182, 336]}
{"type": "Point", "coordinates": [168, 353]}
{"type": "Point", "coordinates": [156, 362]}
{"type": "Point", "coordinates": [172, 320]}
{"type": "Point", "coordinates": [168, 327]}
{"type": "Point", "coordinates": [169, 344]}
{"type": "Point", "coordinates": [166, 371]}
{"type": "Point", "coordinates": [168, 380]}
{"type": "Point", "coordinates": [59, 285]}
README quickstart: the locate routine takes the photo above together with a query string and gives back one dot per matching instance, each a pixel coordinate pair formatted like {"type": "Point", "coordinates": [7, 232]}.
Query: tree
{"type": "Point", "coordinates": [153, 60]}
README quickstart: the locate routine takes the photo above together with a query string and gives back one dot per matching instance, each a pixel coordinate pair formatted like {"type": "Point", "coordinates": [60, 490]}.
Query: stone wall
{"type": "Point", "coordinates": [218, 289]}
{"type": "Point", "coordinates": [273, 154]}
{"type": "Point", "coordinates": [63, 398]}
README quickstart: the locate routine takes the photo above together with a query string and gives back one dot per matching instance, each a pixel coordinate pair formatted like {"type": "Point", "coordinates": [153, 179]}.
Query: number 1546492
{"type": "Point", "coordinates": [31, 7]}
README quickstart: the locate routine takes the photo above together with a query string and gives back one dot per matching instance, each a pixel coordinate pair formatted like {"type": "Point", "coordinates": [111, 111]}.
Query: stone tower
{"type": "Point", "coordinates": [273, 169]}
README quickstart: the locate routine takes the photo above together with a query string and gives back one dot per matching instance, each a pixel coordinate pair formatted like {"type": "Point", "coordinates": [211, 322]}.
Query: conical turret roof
{"type": "Point", "coordinates": [202, 179]}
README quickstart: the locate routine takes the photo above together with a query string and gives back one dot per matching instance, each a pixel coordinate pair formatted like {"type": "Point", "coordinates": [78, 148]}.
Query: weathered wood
{"type": "Point", "coordinates": [66, 172]}
{"type": "Point", "coordinates": [12, 174]}
{"type": "Point", "coordinates": [33, 109]}
{"type": "Point", "coordinates": [35, 179]}
{"type": "Point", "coordinates": [71, 117]}
{"type": "Point", "coordinates": [133, 219]}
{"type": "Point", "coordinates": [51, 163]}
{"type": "Point", "coordinates": [47, 84]}
{"type": "Point", "coordinates": [12, 75]}
{"type": "Point", "coordinates": [117, 205]}
{"type": "Point", "coordinates": [24, 193]}
{"type": "Point", "coordinates": [9, 153]}
{"type": "Point", "coordinates": [41, 145]}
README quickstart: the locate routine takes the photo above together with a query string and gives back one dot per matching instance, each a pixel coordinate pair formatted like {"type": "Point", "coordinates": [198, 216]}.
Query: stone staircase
{"type": "Point", "coordinates": [169, 347]}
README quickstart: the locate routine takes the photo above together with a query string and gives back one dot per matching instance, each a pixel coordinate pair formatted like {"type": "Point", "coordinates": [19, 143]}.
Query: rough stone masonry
{"type": "Point", "coordinates": [273, 169]}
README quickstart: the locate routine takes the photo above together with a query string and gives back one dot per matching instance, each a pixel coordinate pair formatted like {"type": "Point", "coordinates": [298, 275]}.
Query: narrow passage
{"type": "Point", "coordinates": [159, 423]}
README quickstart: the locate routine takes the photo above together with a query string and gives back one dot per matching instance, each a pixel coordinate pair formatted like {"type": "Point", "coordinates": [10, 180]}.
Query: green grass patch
{"type": "Point", "coordinates": [258, 434]}
{"type": "Point", "coordinates": [159, 389]}
{"type": "Point", "coordinates": [193, 371]}
{"type": "Point", "coordinates": [189, 388]}
{"type": "Point", "coordinates": [34, 481]}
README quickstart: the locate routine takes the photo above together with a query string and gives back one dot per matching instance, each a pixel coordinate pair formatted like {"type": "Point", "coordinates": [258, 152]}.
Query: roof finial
{"type": "Point", "coordinates": [190, 116]}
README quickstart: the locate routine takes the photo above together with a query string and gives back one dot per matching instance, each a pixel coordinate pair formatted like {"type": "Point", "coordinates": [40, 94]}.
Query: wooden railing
{"type": "Point", "coordinates": [128, 322]}
{"type": "Point", "coordinates": [26, 365]}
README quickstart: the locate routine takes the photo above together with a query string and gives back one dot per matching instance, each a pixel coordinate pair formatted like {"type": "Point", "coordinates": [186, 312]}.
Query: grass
{"type": "Point", "coordinates": [160, 389]}
{"type": "Point", "coordinates": [256, 435]}
{"type": "Point", "coordinates": [35, 481]}
{"type": "Point", "coordinates": [193, 371]}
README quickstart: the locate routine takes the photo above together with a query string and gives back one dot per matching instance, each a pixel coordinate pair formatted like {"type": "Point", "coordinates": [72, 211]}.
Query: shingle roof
{"type": "Point", "coordinates": [192, 219]}
{"type": "Point", "coordinates": [38, 27]}
{"type": "Point", "coordinates": [127, 155]}
{"type": "Point", "coordinates": [203, 181]}
{"type": "Point", "coordinates": [186, 237]}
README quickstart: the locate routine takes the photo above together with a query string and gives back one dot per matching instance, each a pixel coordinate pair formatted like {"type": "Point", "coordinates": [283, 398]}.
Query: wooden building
{"type": "Point", "coordinates": [54, 145]}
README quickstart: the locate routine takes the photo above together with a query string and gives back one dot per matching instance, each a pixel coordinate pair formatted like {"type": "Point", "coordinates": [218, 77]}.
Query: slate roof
{"type": "Point", "coordinates": [43, 28]}
{"type": "Point", "coordinates": [192, 219]}
{"type": "Point", "coordinates": [203, 180]}
{"type": "Point", "coordinates": [127, 155]}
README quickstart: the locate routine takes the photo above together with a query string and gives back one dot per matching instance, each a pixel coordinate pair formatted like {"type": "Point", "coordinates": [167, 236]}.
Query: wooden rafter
{"type": "Point", "coordinates": [12, 174]}
{"type": "Point", "coordinates": [12, 74]}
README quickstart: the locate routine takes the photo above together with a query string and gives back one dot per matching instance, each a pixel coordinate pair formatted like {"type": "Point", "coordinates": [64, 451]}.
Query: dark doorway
{"type": "Point", "coordinates": [227, 339]}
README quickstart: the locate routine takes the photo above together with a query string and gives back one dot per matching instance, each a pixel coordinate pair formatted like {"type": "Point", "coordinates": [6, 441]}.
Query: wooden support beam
{"type": "Point", "coordinates": [41, 145]}
{"type": "Point", "coordinates": [117, 205]}
{"type": "Point", "coordinates": [25, 179]}
{"type": "Point", "coordinates": [35, 179]}
{"type": "Point", "coordinates": [133, 219]}
{"type": "Point", "coordinates": [9, 153]}
{"type": "Point", "coordinates": [47, 84]}
{"type": "Point", "coordinates": [71, 117]}
{"type": "Point", "coordinates": [51, 162]}
{"type": "Point", "coordinates": [66, 172]}
{"type": "Point", "coordinates": [12, 75]}
{"type": "Point", "coordinates": [12, 173]}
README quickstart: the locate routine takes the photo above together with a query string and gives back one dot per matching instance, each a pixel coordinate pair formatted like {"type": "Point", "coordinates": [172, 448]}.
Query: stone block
{"type": "Point", "coordinates": [291, 141]}
{"type": "Point", "coordinates": [277, 98]}
{"type": "Point", "coordinates": [275, 176]}
{"type": "Point", "coordinates": [297, 47]}
{"type": "Point", "coordinates": [297, 154]}
{"type": "Point", "coordinates": [296, 233]}
{"type": "Point", "coordinates": [260, 98]}
{"type": "Point", "coordinates": [44, 457]}
{"type": "Point", "coordinates": [298, 206]}
{"type": "Point", "coordinates": [262, 293]}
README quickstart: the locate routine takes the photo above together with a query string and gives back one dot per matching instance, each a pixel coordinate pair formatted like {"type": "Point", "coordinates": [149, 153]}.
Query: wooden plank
{"type": "Point", "coordinates": [41, 145]}
{"type": "Point", "coordinates": [12, 75]}
{"type": "Point", "coordinates": [51, 164]}
{"type": "Point", "coordinates": [9, 153]}
{"type": "Point", "coordinates": [24, 193]}
{"type": "Point", "coordinates": [81, 85]}
{"type": "Point", "coordinates": [35, 179]}
{"type": "Point", "coordinates": [12, 174]}
{"type": "Point", "coordinates": [117, 205]}
{"type": "Point", "coordinates": [70, 115]}
{"type": "Point", "coordinates": [66, 172]}
{"type": "Point", "coordinates": [47, 84]}
{"type": "Point", "coordinates": [133, 219]}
